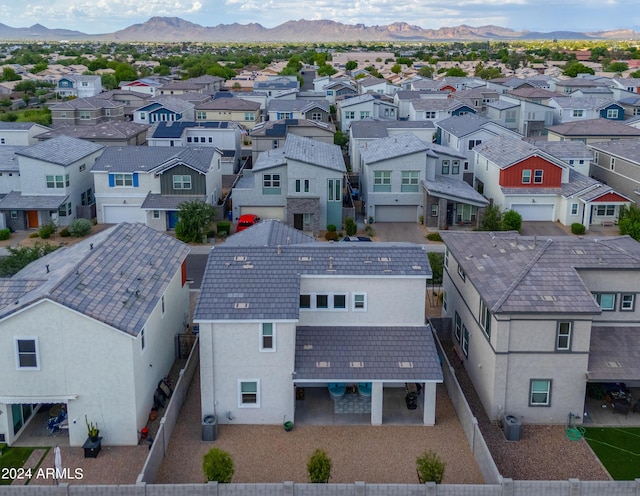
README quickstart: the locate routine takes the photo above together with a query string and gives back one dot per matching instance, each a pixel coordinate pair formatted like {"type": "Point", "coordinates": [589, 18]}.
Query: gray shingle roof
{"type": "Point", "coordinates": [269, 232]}
{"type": "Point", "coordinates": [579, 183]}
{"type": "Point", "coordinates": [502, 104]}
{"type": "Point", "coordinates": [173, 103]}
{"type": "Point", "coordinates": [448, 187]}
{"type": "Point", "coordinates": [505, 151]}
{"type": "Point", "coordinates": [585, 102]}
{"type": "Point", "coordinates": [148, 158]}
{"type": "Point", "coordinates": [258, 282]}
{"type": "Point", "coordinates": [520, 274]}
{"type": "Point", "coordinates": [268, 159]}
{"type": "Point", "coordinates": [565, 150]}
{"type": "Point", "coordinates": [461, 125]}
{"type": "Point", "coordinates": [625, 149]}
{"type": "Point", "coordinates": [369, 128]}
{"type": "Point", "coordinates": [91, 103]}
{"type": "Point", "coordinates": [61, 150]}
{"type": "Point", "coordinates": [104, 131]}
{"type": "Point", "coordinates": [116, 277]}
{"type": "Point", "coordinates": [233, 103]}
{"type": "Point", "coordinates": [16, 201]}
{"type": "Point", "coordinates": [613, 344]}
{"type": "Point", "coordinates": [8, 159]}
{"type": "Point", "coordinates": [391, 147]}
{"type": "Point", "coordinates": [297, 105]}
{"type": "Point", "coordinates": [16, 126]}
{"type": "Point", "coordinates": [380, 349]}
{"type": "Point", "coordinates": [595, 127]}
{"type": "Point", "coordinates": [156, 201]}
{"type": "Point", "coordinates": [314, 152]}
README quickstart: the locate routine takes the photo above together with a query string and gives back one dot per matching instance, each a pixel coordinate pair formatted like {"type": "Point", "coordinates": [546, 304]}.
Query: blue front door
{"type": "Point", "coordinates": [172, 219]}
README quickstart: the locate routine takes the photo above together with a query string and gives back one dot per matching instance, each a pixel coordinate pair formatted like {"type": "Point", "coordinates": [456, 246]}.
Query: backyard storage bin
{"type": "Point", "coordinates": [512, 428]}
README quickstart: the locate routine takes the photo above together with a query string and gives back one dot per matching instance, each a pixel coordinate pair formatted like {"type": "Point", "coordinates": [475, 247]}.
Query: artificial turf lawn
{"type": "Point", "coordinates": [618, 448]}
{"type": "Point", "coordinates": [13, 458]}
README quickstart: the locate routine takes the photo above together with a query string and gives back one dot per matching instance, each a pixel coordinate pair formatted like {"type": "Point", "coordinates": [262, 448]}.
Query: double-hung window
{"type": "Point", "coordinates": [268, 336]}
{"type": "Point", "coordinates": [249, 393]}
{"type": "Point", "coordinates": [537, 176]}
{"type": "Point", "coordinates": [563, 336]}
{"type": "Point", "coordinates": [526, 176]}
{"type": "Point", "coordinates": [27, 353]}
{"type": "Point", "coordinates": [627, 302]}
{"type": "Point", "coordinates": [57, 181]}
{"type": "Point", "coordinates": [445, 167]}
{"type": "Point", "coordinates": [182, 182]}
{"type": "Point", "coordinates": [123, 179]}
{"type": "Point", "coordinates": [360, 302]}
{"type": "Point", "coordinates": [302, 185]}
{"type": "Point", "coordinates": [382, 181]}
{"type": "Point", "coordinates": [410, 181]}
{"type": "Point", "coordinates": [455, 167]}
{"type": "Point", "coordinates": [540, 392]}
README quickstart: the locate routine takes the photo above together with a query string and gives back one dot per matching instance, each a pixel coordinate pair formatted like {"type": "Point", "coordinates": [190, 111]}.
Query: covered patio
{"type": "Point", "coordinates": [354, 375]}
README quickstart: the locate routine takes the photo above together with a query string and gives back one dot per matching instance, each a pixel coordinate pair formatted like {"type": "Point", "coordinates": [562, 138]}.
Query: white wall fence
{"type": "Point", "coordinates": [168, 422]}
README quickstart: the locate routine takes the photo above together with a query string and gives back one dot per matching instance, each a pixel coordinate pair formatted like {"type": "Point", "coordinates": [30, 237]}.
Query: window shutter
{"type": "Point", "coordinates": [112, 180]}
{"type": "Point", "coordinates": [135, 179]}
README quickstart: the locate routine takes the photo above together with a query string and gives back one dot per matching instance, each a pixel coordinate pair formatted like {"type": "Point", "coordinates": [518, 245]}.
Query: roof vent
{"type": "Point", "coordinates": [304, 259]}
{"type": "Point", "coordinates": [323, 365]}
{"type": "Point", "coordinates": [384, 259]}
{"type": "Point", "coordinates": [548, 298]}
{"type": "Point", "coordinates": [614, 365]}
{"type": "Point", "coordinates": [579, 252]}
{"type": "Point", "coordinates": [241, 305]}
{"type": "Point", "coordinates": [405, 365]}
{"type": "Point", "coordinates": [240, 258]}
{"type": "Point", "coordinates": [356, 365]}
{"type": "Point", "coordinates": [307, 347]}
{"type": "Point", "coordinates": [331, 263]}
{"type": "Point", "coordinates": [247, 266]}
{"type": "Point", "coordinates": [416, 267]}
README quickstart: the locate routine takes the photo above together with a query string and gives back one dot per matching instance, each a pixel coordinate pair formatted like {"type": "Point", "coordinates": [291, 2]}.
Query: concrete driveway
{"type": "Point", "coordinates": [405, 232]}
{"type": "Point", "coordinates": [542, 229]}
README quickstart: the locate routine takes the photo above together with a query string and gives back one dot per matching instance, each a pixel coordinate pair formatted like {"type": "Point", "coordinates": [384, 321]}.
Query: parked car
{"type": "Point", "coordinates": [246, 220]}
{"type": "Point", "coordinates": [355, 238]}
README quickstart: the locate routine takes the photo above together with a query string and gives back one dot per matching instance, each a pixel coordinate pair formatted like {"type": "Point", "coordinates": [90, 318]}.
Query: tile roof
{"type": "Point", "coordinates": [505, 151]}
{"type": "Point", "coordinates": [116, 277]}
{"type": "Point", "coordinates": [583, 102]}
{"type": "Point", "coordinates": [579, 184]}
{"type": "Point", "coordinates": [381, 350]}
{"type": "Point", "coordinates": [394, 146]}
{"type": "Point", "coordinates": [263, 282]}
{"type": "Point", "coordinates": [103, 131]}
{"type": "Point", "coordinates": [433, 103]}
{"type": "Point", "coordinates": [269, 232]}
{"type": "Point", "coordinates": [91, 103]}
{"type": "Point", "coordinates": [461, 125]}
{"type": "Point", "coordinates": [148, 158]}
{"type": "Point", "coordinates": [156, 201]}
{"type": "Point", "coordinates": [565, 150]}
{"type": "Point", "coordinates": [8, 159]}
{"type": "Point", "coordinates": [613, 354]}
{"type": "Point", "coordinates": [502, 104]}
{"type": "Point", "coordinates": [448, 187]}
{"type": "Point", "coordinates": [16, 126]}
{"type": "Point", "coordinates": [522, 274]}
{"type": "Point", "coordinates": [297, 105]}
{"type": "Point", "coordinates": [625, 149]}
{"type": "Point", "coordinates": [279, 128]}
{"type": "Point", "coordinates": [369, 128]}
{"type": "Point", "coordinates": [595, 127]}
{"type": "Point", "coordinates": [266, 160]}
{"type": "Point", "coordinates": [16, 201]}
{"type": "Point", "coordinates": [61, 150]}
{"type": "Point", "coordinates": [233, 103]}
{"type": "Point", "coordinates": [314, 152]}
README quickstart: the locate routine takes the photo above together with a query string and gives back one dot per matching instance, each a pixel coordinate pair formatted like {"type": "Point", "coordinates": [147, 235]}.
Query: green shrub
{"type": "Point", "coordinates": [331, 228]}
{"type": "Point", "coordinates": [34, 235]}
{"type": "Point", "coordinates": [217, 466]}
{"type": "Point", "coordinates": [80, 228]}
{"type": "Point", "coordinates": [47, 230]}
{"type": "Point", "coordinates": [577, 228]}
{"type": "Point", "coordinates": [211, 233]}
{"type": "Point", "coordinates": [434, 236]}
{"type": "Point", "coordinates": [331, 235]}
{"type": "Point", "coordinates": [223, 226]}
{"type": "Point", "coordinates": [64, 232]}
{"type": "Point", "coordinates": [512, 221]}
{"type": "Point", "coordinates": [4, 234]}
{"type": "Point", "coordinates": [430, 467]}
{"type": "Point", "coordinates": [369, 230]}
{"type": "Point", "coordinates": [319, 467]}
{"type": "Point", "coordinates": [350, 227]}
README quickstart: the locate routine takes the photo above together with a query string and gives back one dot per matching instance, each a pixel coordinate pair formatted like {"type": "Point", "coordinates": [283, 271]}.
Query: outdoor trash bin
{"type": "Point", "coordinates": [412, 400]}
{"type": "Point", "coordinates": [512, 428]}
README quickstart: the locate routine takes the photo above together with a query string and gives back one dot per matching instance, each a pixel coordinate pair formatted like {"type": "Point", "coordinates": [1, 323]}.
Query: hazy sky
{"type": "Point", "coordinates": [103, 16]}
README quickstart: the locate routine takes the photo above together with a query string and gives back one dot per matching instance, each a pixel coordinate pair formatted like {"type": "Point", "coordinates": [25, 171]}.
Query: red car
{"type": "Point", "coordinates": [246, 220]}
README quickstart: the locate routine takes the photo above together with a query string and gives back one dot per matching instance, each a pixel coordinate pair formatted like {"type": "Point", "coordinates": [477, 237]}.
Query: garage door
{"type": "Point", "coordinates": [396, 213]}
{"type": "Point", "coordinates": [535, 211]}
{"type": "Point", "coordinates": [264, 212]}
{"type": "Point", "coordinates": [114, 214]}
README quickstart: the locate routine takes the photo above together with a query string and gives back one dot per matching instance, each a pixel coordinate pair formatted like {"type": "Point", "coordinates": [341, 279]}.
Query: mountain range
{"type": "Point", "coordinates": [175, 29]}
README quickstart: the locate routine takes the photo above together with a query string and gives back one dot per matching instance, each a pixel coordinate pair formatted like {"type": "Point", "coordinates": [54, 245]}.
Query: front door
{"type": "Point", "coordinates": [449, 214]}
{"type": "Point", "coordinates": [172, 219]}
{"type": "Point", "coordinates": [32, 219]}
{"type": "Point", "coordinates": [298, 221]}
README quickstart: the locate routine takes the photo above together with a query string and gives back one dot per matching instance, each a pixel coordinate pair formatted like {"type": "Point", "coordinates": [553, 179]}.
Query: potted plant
{"type": "Point", "coordinates": [92, 430]}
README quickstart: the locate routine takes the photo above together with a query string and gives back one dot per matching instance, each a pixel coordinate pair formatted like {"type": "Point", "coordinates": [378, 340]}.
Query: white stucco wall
{"type": "Point", "coordinates": [118, 195]}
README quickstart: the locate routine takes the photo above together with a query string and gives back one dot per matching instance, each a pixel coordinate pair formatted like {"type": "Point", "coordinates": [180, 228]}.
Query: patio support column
{"type": "Point", "coordinates": [376, 403]}
{"type": "Point", "coordinates": [429, 406]}
{"type": "Point", "coordinates": [586, 214]}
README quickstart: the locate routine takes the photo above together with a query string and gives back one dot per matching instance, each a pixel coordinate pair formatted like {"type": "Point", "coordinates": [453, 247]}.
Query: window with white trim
{"type": "Point", "coordinates": [360, 302]}
{"type": "Point", "coordinates": [627, 302]}
{"type": "Point", "coordinates": [182, 182]}
{"type": "Point", "coordinates": [465, 340]}
{"type": "Point", "coordinates": [445, 167]}
{"type": "Point", "coordinates": [410, 181]}
{"type": "Point", "coordinates": [57, 182]}
{"type": "Point", "coordinates": [540, 392]}
{"type": "Point", "coordinates": [457, 327]}
{"type": "Point", "coordinates": [349, 115]}
{"type": "Point", "coordinates": [249, 393]}
{"type": "Point", "coordinates": [382, 181]}
{"type": "Point", "coordinates": [607, 301]}
{"type": "Point", "coordinates": [526, 176]}
{"type": "Point", "coordinates": [268, 336]}
{"type": "Point", "coordinates": [537, 176]}
{"type": "Point", "coordinates": [578, 112]}
{"type": "Point", "coordinates": [201, 115]}
{"type": "Point", "coordinates": [605, 210]}
{"type": "Point", "coordinates": [574, 209]}
{"type": "Point", "coordinates": [302, 185]}
{"type": "Point", "coordinates": [249, 116]}
{"type": "Point", "coordinates": [27, 353]}
{"type": "Point", "coordinates": [485, 319]}
{"type": "Point", "coordinates": [455, 167]}
{"type": "Point", "coordinates": [563, 336]}
{"type": "Point", "coordinates": [123, 179]}
{"type": "Point", "coordinates": [156, 214]}
{"type": "Point", "coordinates": [323, 301]}
{"type": "Point", "coordinates": [434, 210]}
{"type": "Point", "coordinates": [461, 273]}
{"type": "Point", "coordinates": [612, 113]}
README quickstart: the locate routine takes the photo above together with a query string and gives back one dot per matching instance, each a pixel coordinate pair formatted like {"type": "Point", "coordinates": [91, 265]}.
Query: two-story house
{"type": "Point", "coordinates": [517, 175]}
{"type": "Point", "coordinates": [78, 86]}
{"type": "Point", "coordinates": [313, 110]}
{"type": "Point", "coordinates": [535, 320]}
{"type": "Point", "coordinates": [91, 326]}
{"type": "Point", "coordinates": [528, 116]}
{"type": "Point", "coordinates": [86, 111]}
{"type": "Point", "coordinates": [617, 164]}
{"type": "Point", "coordinates": [20, 133]}
{"type": "Point", "coordinates": [315, 318]}
{"type": "Point", "coordinates": [164, 109]}
{"type": "Point", "coordinates": [437, 109]}
{"type": "Point", "coordinates": [572, 108]}
{"type": "Point", "coordinates": [362, 107]}
{"type": "Point", "coordinates": [592, 131]}
{"type": "Point", "coordinates": [147, 184]}
{"type": "Point", "coordinates": [301, 184]}
{"type": "Point", "coordinates": [55, 184]}
{"type": "Point", "coordinates": [234, 109]}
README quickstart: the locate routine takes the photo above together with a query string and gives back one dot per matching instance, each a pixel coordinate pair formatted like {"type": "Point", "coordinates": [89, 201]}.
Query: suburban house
{"type": "Point", "coordinates": [145, 85]}
{"type": "Point", "coordinates": [516, 175]}
{"type": "Point", "coordinates": [234, 109]}
{"type": "Point", "coordinates": [313, 110]}
{"type": "Point", "coordinates": [617, 164]}
{"type": "Point", "coordinates": [301, 184]}
{"type": "Point", "coordinates": [369, 130]}
{"type": "Point", "coordinates": [132, 100]}
{"type": "Point", "coordinates": [78, 86]}
{"type": "Point", "coordinates": [403, 99]}
{"type": "Point", "coordinates": [272, 134]}
{"type": "Point", "coordinates": [362, 107]}
{"type": "Point", "coordinates": [147, 184]}
{"type": "Point", "coordinates": [109, 133]}
{"type": "Point", "coordinates": [276, 85]}
{"type": "Point", "coordinates": [464, 132]}
{"type": "Point", "coordinates": [312, 319]}
{"type": "Point", "coordinates": [20, 133]}
{"type": "Point", "coordinates": [527, 116]}
{"type": "Point", "coordinates": [534, 320]}
{"type": "Point", "coordinates": [631, 106]}
{"type": "Point", "coordinates": [55, 184]}
{"type": "Point", "coordinates": [592, 131]}
{"type": "Point", "coordinates": [164, 109]}
{"type": "Point", "coordinates": [437, 109]}
{"type": "Point", "coordinates": [571, 108]}
{"type": "Point", "coordinates": [338, 90]}
{"type": "Point", "coordinates": [91, 327]}
{"type": "Point", "coordinates": [86, 111]}
{"type": "Point", "coordinates": [373, 84]}
{"type": "Point", "coordinates": [9, 173]}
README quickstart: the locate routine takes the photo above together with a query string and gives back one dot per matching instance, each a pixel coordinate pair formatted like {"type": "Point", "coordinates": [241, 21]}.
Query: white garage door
{"type": "Point", "coordinates": [396, 213]}
{"type": "Point", "coordinates": [264, 212]}
{"type": "Point", "coordinates": [535, 211]}
{"type": "Point", "coordinates": [114, 214]}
